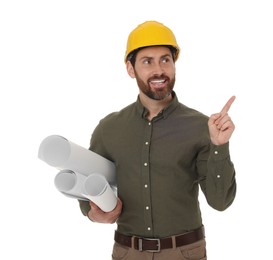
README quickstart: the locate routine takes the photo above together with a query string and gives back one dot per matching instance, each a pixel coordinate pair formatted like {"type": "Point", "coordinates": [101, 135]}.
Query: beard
{"type": "Point", "coordinates": [158, 94]}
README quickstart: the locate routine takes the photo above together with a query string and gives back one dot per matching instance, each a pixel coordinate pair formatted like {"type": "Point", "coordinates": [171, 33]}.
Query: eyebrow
{"type": "Point", "coordinates": [161, 57]}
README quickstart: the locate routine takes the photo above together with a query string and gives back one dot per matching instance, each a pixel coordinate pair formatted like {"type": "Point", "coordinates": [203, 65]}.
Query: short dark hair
{"type": "Point", "coordinates": [132, 55]}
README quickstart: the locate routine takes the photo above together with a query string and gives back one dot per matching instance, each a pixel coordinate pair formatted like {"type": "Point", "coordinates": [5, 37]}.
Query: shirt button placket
{"type": "Point", "coordinates": [146, 179]}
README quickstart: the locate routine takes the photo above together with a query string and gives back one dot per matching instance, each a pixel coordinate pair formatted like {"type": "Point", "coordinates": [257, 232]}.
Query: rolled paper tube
{"type": "Point", "coordinates": [70, 183]}
{"type": "Point", "coordinates": [60, 153]}
{"type": "Point", "coordinates": [72, 196]}
{"type": "Point", "coordinates": [97, 189]}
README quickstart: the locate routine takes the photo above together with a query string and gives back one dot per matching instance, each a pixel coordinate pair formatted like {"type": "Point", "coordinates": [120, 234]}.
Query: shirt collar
{"type": "Point", "coordinates": [164, 113]}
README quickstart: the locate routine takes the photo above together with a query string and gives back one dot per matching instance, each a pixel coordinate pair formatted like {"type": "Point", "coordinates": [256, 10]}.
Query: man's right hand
{"type": "Point", "coordinates": [97, 215]}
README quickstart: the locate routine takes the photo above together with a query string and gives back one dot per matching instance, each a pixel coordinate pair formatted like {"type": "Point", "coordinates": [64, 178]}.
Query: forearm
{"type": "Point", "coordinates": [219, 185]}
{"type": "Point", "coordinates": [85, 207]}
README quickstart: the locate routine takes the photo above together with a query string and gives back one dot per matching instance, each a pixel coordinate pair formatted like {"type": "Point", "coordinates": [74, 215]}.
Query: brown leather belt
{"type": "Point", "coordinates": [157, 244]}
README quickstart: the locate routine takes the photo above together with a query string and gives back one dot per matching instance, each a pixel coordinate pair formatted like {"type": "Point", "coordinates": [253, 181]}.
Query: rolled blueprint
{"type": "Point", "coordinates": [97, 189]}
{"type": "Point", "coordinates": [70, 184]}
{"type": "Point", "coordinates": [60, 153]}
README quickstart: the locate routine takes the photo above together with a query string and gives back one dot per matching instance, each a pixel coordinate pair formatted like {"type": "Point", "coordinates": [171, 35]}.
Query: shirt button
{"type": "Point", "coordinates": [145, 186]}
{"type": "Point", "coordinates": [146, 143]}
{"type": "Point", "coordinates": [147, 207]}
{"type": "Point", "coordinates": [149, 228]}
{"type": "Point", "coordinates": [218, 176]}
{"type": "Point", "coordinates": [149, 123]}
{"type": "Point", "coordinates": [145, 164]}
{"type": "Point", "coordinates": [215, 152]}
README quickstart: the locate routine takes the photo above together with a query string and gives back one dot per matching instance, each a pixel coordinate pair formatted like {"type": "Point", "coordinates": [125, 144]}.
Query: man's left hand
{"type": "Point", "coordinates": [220, 125]}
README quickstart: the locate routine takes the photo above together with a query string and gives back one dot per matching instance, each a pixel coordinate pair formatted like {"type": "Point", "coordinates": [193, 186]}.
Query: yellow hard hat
{"type": "Point", "coordinates": [151, 33]}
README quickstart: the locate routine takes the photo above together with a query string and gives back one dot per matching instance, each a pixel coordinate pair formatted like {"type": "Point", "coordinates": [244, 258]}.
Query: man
{"type": "Point", "coordinates": [163, 151]}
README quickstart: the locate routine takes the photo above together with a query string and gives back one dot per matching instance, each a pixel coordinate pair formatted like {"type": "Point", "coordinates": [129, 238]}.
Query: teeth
{"type": "Point", "coordinates": [158, 81]}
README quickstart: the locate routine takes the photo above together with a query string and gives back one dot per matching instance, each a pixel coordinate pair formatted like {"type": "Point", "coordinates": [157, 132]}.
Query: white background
{"type": "Point", "coordinates": [61, 70]}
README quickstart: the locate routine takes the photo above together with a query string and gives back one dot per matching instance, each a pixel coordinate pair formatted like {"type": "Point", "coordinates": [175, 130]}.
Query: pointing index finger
{"type": "Point", "coordinates": [227, 106]}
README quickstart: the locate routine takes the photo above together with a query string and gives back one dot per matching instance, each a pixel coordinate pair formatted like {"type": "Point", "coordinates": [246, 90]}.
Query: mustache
{"type": "Point", "coordinates": [159, 77]}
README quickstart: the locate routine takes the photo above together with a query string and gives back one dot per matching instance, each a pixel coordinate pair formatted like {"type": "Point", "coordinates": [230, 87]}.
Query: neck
{"type": "Point", "coordinates": [154, 107]}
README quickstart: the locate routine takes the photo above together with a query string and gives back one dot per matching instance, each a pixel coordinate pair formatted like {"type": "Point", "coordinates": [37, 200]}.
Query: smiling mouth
{"type": "Point", "coordinates": [158, 83]}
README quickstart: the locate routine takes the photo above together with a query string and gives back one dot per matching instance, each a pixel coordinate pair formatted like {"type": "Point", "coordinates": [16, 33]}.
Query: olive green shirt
{"type": "Point", "coordinates": [160, 165]}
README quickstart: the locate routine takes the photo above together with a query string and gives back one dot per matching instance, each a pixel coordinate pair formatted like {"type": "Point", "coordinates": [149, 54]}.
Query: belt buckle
{"type": "Point", "coordinates": [150, 250]}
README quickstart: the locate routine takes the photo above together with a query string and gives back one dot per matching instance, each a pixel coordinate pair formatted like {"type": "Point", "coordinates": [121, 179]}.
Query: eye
{"type": "Point", "coordinates": [146, 61]}
{"type": "Point", "coordinates": [165, 60]}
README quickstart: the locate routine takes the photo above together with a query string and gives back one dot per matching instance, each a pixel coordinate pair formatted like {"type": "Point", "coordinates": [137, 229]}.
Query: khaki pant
{"type": "Point", "coordinates": [194, 251]}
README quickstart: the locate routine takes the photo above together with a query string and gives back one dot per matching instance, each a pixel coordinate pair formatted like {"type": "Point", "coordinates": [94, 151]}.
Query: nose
{"type": "Point", "coordinates": [158, 68]}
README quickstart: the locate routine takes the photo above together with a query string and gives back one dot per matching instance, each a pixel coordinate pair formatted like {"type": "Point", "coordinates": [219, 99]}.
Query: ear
{"type": "Point", "coordinates": [130, 69]}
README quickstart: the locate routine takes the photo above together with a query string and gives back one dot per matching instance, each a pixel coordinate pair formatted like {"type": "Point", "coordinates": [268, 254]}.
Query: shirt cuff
{"type": "Point", "coordinates": [219, 152]}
